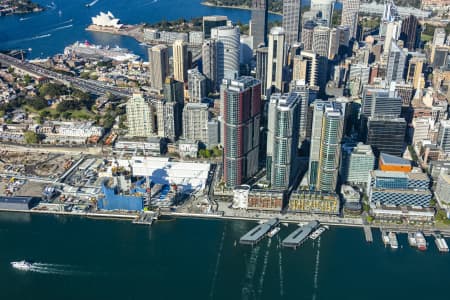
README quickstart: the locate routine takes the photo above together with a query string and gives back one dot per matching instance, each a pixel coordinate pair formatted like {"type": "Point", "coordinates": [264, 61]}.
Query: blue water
{"type": "Point", "coordinates": [80, 258]}
{"type": "Point", "coordinates": [48, 32]}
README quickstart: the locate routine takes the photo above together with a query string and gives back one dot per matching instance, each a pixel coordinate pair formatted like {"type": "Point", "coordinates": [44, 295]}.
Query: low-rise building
{"type": "Point", "coordinates": [314, 202]}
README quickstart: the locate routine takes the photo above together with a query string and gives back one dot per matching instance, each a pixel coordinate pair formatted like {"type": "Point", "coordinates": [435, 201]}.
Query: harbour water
{"type": "Point", "coordinates": [79, 258]}
{"type": "Point", "coordinates": [48, 32]}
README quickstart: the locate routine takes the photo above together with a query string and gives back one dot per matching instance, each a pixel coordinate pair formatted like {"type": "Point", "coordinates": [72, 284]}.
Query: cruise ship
{"type": "Point", "coordinates": [96, 51]}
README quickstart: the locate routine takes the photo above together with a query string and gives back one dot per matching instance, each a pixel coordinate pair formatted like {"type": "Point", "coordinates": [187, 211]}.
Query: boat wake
{"type": "Point", "coordinates": [56, 269]}
{"type": "Point", "coordinates": [280, 266]}
{"type": "Point", "coordinates": [263, 272]}
{"type": "Point", "coordinates": [248, 290]}
{"type": "Point", "coordinates": [61, 28]}
{"type": "Point", "coordinates": [37, 37]}
{"type": "Point", "coordinates": [216, 269]}
{"type": "Point", "coordinates": [316, 270]}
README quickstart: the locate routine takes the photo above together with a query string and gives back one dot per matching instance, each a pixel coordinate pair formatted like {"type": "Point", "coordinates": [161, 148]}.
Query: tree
{"type": "Point", "coordinates": [27, 79]}
{"type": "Point", "coordinates": [31, 137]}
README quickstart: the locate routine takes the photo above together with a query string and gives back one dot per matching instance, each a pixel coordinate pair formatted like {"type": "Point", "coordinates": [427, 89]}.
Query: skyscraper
{"type": "Point", "coordinates": [327, 128]}
{"type": "Point", "coordinates": [325, 8]}
{"type": "Point", "coordinates": [173, 90]}
{"type": "Point", "coordinates": [228, 51]}
{"type": "Point", "coordinates": [321, 40]}
{"type": "Point", "coordinates": [210, 22]}
{"type": "Point", "coordinates": [443, 140]}
{"type": "Point", "coordinates": [159, 64]}
{"type": "Point", "coordinates": [282, 139]}
{"type": "Point", "coordinates": [350, 12]}
{"type": "Point", "coordinates": [168, 119]}
{"type": "Point", "coordinates": [307, 34]}
{"type": "Point", "coordinates": [307, 95]}
{"type": "Point", "coordinates": [195, 122]}
{"type": "Point", "coordinates": [415, 69]}
{"type": "Point", "coordinates": [180, 60]}
{"type": "Point", "coordinates": [292, 20]}
{"type": "Point", "coordinates": [396, 64]}
{"type": "Point", "coordinates": [139, 117]}
{"type": "Point", "coordinates": [241, 113]}
{"type": "Point", "coordinates": [209, 59]}
{"type": "Point", "coordinates": [262, 58]}
{"type": "Point", "coordinates": [196, 86]}
{"type": "Point", "coordinates": [410, 33]}
{"type": "Point", "coordinates": [258, 23]}
{"type": "Point", "coordinates": [439, 37]}
{"type": "Point", "coordinates": [386, 134]}
{"type": "Point", "coordinates": [306, 68]}
{"type": "Point", "coordinates": [356, 163]}
{"type": "Point", "coordinates": [276, 60]}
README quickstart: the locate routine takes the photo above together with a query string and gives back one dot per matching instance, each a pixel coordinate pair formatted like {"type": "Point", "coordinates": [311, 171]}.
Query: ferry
{"type": "Point", "coordinates": [441, 244]}
{"type": "Point", "coordinates": [22, 265]}
{"type": "Point", "coordinates": [412, 239]}
{"type": "Point", "coordinates": [274, 231]}
{"type": "Point", "coordinates": [421, 241]}
{"type": "Point", "coordinates": [393, 240]}
{"type": "Point", "coordinates": [385, 238]}
{"type": "Point", "coordinates": [317, 233]}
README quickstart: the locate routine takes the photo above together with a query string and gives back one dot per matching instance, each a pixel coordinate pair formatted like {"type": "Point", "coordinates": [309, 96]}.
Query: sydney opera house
{"type": "Point", "coordinates": [106, 20]}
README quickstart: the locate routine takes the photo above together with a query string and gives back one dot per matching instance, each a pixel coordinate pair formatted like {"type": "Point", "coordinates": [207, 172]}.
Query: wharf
{"type": "Point", "coordinates": [368, 233]}
{"type": "Point", "coordinates": [146, 218]}
{"type": "Point", "coordinates": [255, 235]}
{"type": "Point", "coordinates": [297, 237]}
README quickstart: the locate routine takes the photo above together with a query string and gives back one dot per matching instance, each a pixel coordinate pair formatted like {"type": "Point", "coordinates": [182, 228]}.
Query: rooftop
{"type": "Point", "coordinates": [394, 160]}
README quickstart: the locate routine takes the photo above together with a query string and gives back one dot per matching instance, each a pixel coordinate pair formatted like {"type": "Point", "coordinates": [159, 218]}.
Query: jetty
{"type": "Point", "coordinates": [255, 235]}
{"type": "Point", "coordinates": [368, 233]}
{"type": "Point", "coordinates": [297, 237]}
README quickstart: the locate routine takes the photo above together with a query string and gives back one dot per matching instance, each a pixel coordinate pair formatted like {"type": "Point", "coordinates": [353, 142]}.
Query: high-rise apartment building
{"type": "Point", "coordinates": [276, 60]}
{"type": "Point", "coordinates": [195, 122]}
{"type": "Point", "coordinates": [173, 90]}
{"type": "Point", "coordinates": [140, 117]}
{"type": "Point", "coordinates": [258, 23]}
{"type": "Point", "coordinates": [209, 63]}
{"type": "Point", "coordinates": [292, 20]}
{"type": "Point", "coordinates": [439, 37]}
{"type": "Point", "coordinates": [228, 51]}
{"type": "Point", "coordinates": [197, 86]}
{"type": "Point", "coordinates": [327, 129]}
{"type": "Point", "coordinates": [282, 139]}
{"type": "Point", "coordinates": [159, 64]}
{"type": "Point", "coordinates": [180, 60]}
{"type": "Point", "coordinates": [350, 12]}
{"type": "Point", "coordinates": [241, 113]}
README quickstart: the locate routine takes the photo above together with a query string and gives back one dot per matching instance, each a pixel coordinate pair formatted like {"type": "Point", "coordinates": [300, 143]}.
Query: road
{"type": "Point", "coordinates": [91, 86]}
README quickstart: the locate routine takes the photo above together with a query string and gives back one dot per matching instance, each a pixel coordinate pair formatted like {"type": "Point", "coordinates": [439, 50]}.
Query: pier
{"type": "Point", "coordinates": [297, 237]}
{"type": "Point", "coordinates": [368, 233]}
{"type": "Point", "coordinates": [255, 235]}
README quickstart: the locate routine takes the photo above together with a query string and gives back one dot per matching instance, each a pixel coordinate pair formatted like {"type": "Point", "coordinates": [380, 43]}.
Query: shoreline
{"type": "Point", "coordinates": [241, 7]}
{"type": "Point", "coordinates": [132, 216]}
